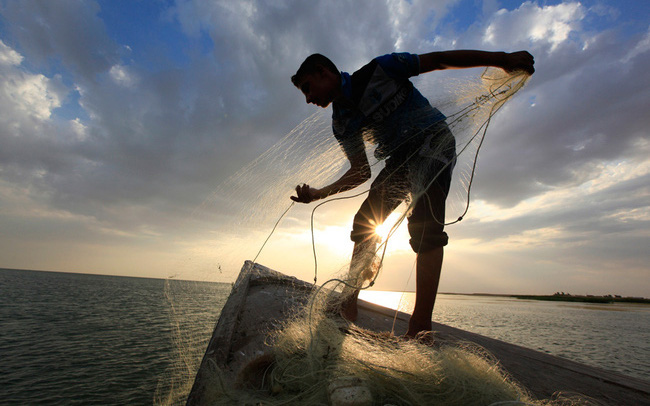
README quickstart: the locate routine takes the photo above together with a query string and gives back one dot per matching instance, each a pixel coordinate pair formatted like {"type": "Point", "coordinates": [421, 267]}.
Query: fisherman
{"type": "Point", "coordinates": [379, 103]}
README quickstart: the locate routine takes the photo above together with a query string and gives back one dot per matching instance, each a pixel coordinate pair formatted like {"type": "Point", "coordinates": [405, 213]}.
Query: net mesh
{"type": "Point", "coordinates": [317, 359]}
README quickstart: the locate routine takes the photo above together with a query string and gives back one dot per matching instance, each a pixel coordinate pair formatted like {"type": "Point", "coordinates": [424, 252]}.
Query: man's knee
{"type": "Point", "coordinates": [360, 237]}
{"type": "Point", "coordinates": [423, 241]}
{"type": "Point", "coordinates": [363, 226]}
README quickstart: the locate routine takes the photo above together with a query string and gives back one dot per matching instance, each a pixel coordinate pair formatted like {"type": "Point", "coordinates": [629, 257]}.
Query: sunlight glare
{"type": "Point", "coordinates": [401, 301]}
{"type": "Point", "coordinates": [383, 230]}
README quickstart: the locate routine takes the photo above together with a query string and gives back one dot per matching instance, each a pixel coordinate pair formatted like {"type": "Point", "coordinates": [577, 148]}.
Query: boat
{"type": "Point", "coordinates": [261, 299]}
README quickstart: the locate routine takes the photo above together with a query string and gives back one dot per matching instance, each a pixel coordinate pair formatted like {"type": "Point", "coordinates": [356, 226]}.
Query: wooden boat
{"type": "Point", "coordinates": [261, 298]}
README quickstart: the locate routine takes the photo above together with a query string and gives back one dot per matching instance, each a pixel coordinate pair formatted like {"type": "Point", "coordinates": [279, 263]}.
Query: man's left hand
{"type": "Point", "coordinates": [305, 194]}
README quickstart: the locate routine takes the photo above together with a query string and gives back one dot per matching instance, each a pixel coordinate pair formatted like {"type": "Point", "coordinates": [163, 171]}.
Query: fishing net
{"type": "Point", "coordinates": [316, 357]}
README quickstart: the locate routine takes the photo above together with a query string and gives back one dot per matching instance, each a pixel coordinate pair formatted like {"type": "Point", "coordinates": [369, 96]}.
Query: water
{"type": "Point", "coordinates": [70, 339]}
{"type": "Point", "coordinates": [612, 336]}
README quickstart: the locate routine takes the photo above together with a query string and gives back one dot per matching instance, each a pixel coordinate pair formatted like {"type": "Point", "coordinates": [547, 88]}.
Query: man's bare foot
{"type": "Point", "coordinates": [423, 337]}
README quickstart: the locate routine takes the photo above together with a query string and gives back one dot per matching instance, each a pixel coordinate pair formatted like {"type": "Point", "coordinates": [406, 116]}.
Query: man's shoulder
{"type": "Point", "coordinates": [364, 73]}
{"type": "Point", "coordinates": [400, 65]}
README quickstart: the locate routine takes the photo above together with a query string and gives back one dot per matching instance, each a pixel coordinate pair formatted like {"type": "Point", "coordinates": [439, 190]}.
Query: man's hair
{"type": "Point", "coordinates": [311, 64]}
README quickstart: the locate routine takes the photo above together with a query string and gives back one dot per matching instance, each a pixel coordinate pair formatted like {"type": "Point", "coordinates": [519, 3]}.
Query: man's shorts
{"type": "Point", "coordinates": [394, 185]}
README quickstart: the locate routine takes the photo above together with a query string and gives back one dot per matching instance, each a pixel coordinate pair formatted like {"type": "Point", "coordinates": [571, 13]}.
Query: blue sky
{"type": "Point", "coordinates": [123, 122]}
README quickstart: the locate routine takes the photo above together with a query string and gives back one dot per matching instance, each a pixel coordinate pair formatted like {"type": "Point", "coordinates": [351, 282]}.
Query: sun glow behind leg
{"type": "Point", "coordinates": [401, 301]}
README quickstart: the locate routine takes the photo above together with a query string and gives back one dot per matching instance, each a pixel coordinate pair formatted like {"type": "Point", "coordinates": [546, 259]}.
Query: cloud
{"type": "Point", "coordinates": [122, 76]}
{"type": "Point", "coordinates": [30, 144]}
{"type": "Point", "coordinates": [582, 107]}
{"type": "Point", "coordinates": [112, 145]}
{"type": "Point", "coordinates": [641, 47]}
{"type": "Point", "coordinates": [532, 23]}
{"type": "Point", "coordinates": [68, 31]}
{"type": "Point", "coordinates": [8, 56]}
{"type": "Point", "coordinates": [25, 96]}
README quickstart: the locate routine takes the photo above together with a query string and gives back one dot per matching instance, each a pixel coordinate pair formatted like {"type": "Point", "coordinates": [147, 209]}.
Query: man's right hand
{"type": "Point", "coordinates": [521, 60]}
{"type": "Point", "coordinates": [305, 194]}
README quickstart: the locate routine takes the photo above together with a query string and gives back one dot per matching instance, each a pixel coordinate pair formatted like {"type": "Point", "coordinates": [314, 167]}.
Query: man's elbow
{"type": "Point", "coordinates": [430, 62]}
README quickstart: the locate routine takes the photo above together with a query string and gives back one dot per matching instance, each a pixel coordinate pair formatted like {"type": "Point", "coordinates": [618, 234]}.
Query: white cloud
{"type": "Point", "coordinates": [8, 56]}
{"type": "Point", "coordinates": [31, 95]}
{"type": "Point", "coordinates": [412, 23]}
{"type": "Point", "coordinates": [25, 96]}
{"type": "Point", "coordinates": [606, 176]}
{"type": "Point", "coordinates": [79, 129]}
{"type": "Point", "coordinates": [123, 76]}
{"type": "Point", "coordinates": [551, 24]}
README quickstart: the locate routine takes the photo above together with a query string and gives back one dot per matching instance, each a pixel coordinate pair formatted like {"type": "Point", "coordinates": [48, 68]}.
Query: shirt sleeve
{"type": "Point", "coordinates": [400, 65]}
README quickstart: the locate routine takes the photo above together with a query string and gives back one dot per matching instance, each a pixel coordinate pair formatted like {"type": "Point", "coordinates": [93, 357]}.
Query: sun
{"type": "Point", "coordinates": [383, 230]}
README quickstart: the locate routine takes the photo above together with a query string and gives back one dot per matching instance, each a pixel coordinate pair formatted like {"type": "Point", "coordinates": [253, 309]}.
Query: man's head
{"type": "Point", "coordinates": [318, 79]}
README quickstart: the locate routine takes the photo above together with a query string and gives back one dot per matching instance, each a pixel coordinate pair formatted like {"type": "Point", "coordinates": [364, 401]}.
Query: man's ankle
{"type": "Point", "coordinates": [349, 310]}
{"type": "Point", "coordinates": [417, 325]}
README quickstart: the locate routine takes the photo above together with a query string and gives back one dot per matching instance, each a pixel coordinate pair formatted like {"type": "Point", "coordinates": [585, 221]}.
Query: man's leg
{"type": "Point", "coordinates": [426, 227]}
{"type": "Point", "coordinates": [349, 309]}
{"type": "Point", "coordinates": [386, 193]}
{"type": "Point", "coordinates": [362, 269]}
{"type": "Point", "coordinates": [428, 269]}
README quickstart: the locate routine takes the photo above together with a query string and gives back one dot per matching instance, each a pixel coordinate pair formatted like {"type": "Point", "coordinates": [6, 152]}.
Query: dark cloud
{"type": "Point", "coordinates": [68, 32]}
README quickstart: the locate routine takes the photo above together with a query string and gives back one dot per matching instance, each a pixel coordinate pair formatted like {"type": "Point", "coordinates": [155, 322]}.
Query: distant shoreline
{"type": "Point", "coordinates": [564, 298]}
{"type": "Point", "coordinates": [584, 299]}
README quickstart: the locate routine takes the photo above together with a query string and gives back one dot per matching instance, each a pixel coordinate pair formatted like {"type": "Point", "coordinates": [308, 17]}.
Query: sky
{"type": "Point", "coordinates": [121, 123]}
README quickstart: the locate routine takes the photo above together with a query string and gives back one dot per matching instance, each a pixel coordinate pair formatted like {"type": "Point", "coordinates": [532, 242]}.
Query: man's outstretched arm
{"type": "Point", "coordinates": [358, 173]}
{"type": "Point", "coordinates": [459, 59]}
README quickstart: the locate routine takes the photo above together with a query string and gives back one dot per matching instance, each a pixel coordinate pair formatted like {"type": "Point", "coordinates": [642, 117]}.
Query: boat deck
{"type": "Point", "coordinates": [261, 298]}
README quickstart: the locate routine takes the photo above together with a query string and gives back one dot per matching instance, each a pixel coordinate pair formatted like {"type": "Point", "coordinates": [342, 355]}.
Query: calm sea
{"type": "Point", "coordinates": [73, 339]}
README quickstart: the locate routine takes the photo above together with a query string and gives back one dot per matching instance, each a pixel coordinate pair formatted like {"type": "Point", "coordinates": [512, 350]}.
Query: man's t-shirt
{"type": "Point", "coordinates": [383, 107]}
